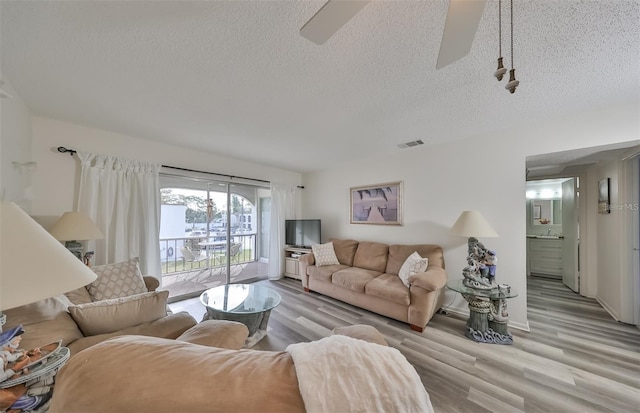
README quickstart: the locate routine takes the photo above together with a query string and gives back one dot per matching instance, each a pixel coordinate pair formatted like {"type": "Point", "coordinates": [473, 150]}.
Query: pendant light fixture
{"type": "Point", "coordinates": [499, 73]}
{"type": "Point", "coordinates": [513, 83]}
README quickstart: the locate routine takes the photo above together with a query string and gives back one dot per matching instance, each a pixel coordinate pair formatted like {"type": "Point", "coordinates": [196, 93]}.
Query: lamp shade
{"type": "Point", "coordinates": [473, 224]}
{"type": "Point", "coordinates": [75, 226]}
{"type": "Point", "coordinates": [34, 265]}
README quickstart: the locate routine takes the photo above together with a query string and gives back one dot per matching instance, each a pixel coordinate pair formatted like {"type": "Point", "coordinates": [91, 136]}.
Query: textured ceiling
{"type": "Point", "coordinates": [236, 78]}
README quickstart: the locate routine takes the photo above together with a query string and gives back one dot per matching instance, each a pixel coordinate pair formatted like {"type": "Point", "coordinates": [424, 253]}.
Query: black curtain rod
{"type": "Point", "coordinates": [62, 149]}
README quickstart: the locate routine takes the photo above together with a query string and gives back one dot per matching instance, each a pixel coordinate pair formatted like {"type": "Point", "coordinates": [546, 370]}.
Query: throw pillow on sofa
{"type": "Point", "coordinates": [120, 279]}
{"type": "Point", "coordinates": [412, 265]}
{"type": "Point", "coordinates": [115, 314]}
{"type": "Point", "coordinates": [324, 254]}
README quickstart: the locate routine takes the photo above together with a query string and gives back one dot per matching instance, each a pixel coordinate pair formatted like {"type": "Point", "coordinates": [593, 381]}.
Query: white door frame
{"type": "Point", "coordinates": [633, 166]}
{"type": "Point", "coordinates": [627, 207]}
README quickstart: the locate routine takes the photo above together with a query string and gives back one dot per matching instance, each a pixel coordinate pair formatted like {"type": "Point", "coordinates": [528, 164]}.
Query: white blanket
{"type": "Point", "coordinates": [343, 374]}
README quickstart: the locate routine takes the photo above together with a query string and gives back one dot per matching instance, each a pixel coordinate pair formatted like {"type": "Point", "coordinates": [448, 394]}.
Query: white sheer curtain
{"type": "Point", "coordinates": [282, 208]}
{"type": "Point", "coordinates": [122, 196]}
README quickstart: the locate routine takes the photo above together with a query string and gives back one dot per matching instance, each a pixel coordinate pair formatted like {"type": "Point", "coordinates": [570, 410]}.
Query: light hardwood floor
{"type": "Point", "coordinates": [575, 359]}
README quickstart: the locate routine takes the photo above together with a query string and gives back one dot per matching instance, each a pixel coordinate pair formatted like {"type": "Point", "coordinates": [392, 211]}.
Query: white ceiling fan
{"type": "Point", "coordinates": [460, 27]}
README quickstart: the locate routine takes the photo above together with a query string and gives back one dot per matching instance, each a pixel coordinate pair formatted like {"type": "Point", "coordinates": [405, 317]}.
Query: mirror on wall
{"type": "Point", "coordinates": [544, 198]}
{"type": "Point", "coordinates": [546, 211]}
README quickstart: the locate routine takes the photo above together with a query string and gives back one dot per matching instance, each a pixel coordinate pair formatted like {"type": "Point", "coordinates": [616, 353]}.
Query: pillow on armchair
{"type": "Point", "coordinates": [120, 279]}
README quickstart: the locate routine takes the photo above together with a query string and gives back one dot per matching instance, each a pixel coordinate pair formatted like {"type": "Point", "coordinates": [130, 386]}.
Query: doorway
{"type": "Point", "coordinates": [608, 241]}
{"type": "Point", "coordinates": [553, 230]}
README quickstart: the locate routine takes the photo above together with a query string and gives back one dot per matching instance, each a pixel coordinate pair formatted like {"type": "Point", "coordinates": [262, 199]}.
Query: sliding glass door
{"type": "Point", "coordinates": [209, 234]}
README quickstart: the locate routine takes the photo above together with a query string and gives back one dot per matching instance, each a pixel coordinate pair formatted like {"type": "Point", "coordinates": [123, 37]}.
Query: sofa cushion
{"type": "Point", "coordinates": [217, 333]}
{"type": "Point", "coordinates": [171, 327]}
{"type": "Point", "coordinates": [79, 296]}
{"type": "Point", "coordinates": [324, 273]}
{"type": "Point", "coordinates": [47, 309]}
{"type": "Point", "coordinates": [345, 250]}
{"type": "Point", "coordinates": [111, 315]}
{"type": "Point", "coordinates": [353, 278]}
{"type": "Point", "coordinates": [412, 265]}
{"type": "Point", "coordinates": [398, 254]}
{"type": "Point", "coordinates": [120, 279]}
{"type": "Point", "coordinates": [44, 321]}
{"type": "Point", "coordinates": [61, 327]}
{"type": "Point", "coordinates": [324, 254]}
{"type": "Point", "coordinates": [389, 287]}
{"type": "Point", "coordinates": [371, 256]}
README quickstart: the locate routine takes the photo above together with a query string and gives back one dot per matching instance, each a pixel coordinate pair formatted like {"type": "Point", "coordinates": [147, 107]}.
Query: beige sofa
{"type": "Point", "coordinates": [147, 374]}
{"type": "Point", "coordinates": [49, 320]}
{"type": "Point", "coordinates": [367, 277]}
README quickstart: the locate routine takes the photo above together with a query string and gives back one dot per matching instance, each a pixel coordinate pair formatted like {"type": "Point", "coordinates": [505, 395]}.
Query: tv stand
{"type": "Point", "coordinates": [291, 255]}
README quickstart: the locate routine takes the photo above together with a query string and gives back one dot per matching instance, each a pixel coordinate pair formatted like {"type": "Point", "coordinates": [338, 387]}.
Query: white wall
{"type": "Point", "coordinates": [15, 146]}
{"type": "Point", "coordinates": [56, 180]}
{"type": "Point", "coordinates": [609, 244]}
{"type": "Point", "coordinates": [486, 173]}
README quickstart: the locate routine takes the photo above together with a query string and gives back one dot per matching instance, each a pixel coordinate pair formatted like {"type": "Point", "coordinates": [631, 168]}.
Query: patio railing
{"type": "Point", "coordinates": [173, 261]}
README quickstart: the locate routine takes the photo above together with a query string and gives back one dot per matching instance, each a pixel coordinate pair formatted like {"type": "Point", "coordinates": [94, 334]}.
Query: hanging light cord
{"type": "Point", "coordinates": [500, 28]}
{"type": "Point", "coordinates": [512, 64]}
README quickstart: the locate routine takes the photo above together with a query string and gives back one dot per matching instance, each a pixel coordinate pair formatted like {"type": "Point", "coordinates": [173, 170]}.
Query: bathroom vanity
{"type": "Point", "coordinates": [545, 255]}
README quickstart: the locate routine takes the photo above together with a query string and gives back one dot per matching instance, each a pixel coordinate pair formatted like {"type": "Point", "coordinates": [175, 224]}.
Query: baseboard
{"type": "Point", "coordinates": [608, 308]}
{"type": "Point", "coordinates": [464, 313]}
{"type": "Point", "coordinates": [520, 326]}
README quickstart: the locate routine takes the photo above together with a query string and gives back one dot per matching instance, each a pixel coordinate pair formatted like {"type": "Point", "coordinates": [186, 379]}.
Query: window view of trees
{"type": "Point", "coordinates": [197, 208]}
{"type": "Point", "coordinates": [202, 211]}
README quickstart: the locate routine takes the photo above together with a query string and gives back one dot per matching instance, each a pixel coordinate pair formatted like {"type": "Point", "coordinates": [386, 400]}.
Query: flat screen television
{"type": "Point", "coordinates": [302, 232]}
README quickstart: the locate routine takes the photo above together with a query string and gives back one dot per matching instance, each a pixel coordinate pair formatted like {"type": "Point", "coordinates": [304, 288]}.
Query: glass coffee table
{"type": "Point", "coordinates": [248, 304]}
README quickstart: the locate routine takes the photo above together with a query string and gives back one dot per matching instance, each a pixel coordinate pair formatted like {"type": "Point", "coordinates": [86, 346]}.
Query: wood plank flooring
{"type": "Point", "coordinates": [575, 359]}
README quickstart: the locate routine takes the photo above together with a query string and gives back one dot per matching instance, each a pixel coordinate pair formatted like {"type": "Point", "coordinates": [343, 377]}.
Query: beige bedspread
{"type": "Point", "coordinates": [340, 374]}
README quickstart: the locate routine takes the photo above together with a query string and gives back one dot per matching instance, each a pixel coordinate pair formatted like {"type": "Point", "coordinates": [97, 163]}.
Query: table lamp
{"type": "Point", "coordinates": [33, 265]}
{"type": "Point", "coordinates": [72, 227]}
{"type": "Point", "coordinates": [481, 269]}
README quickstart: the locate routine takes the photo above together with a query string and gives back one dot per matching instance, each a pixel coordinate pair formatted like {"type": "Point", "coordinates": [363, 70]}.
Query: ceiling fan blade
{"type": "Point", "coordinates": [460, 28]}
{"type": "Point", "coordinates": [330, 18]}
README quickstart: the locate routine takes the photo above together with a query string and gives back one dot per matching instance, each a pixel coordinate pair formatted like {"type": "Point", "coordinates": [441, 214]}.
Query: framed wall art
{"type": "Point", "coordinates": [603, 196]}
{"type": "Point", "coordinates": [379, 204]}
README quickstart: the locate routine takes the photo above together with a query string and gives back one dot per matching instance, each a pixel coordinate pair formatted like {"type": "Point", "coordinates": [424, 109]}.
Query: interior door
{"type": "Point", "coordinates": [570, 229]}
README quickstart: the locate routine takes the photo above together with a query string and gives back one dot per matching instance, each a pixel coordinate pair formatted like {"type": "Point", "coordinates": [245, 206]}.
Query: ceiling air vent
{"type": "Point", "coordinates": [410, 144]}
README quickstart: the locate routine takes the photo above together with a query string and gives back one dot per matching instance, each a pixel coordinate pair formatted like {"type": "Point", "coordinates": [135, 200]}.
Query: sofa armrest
{"type": "Point", "coordinates": [433, 279]}
{"type": "Point", "coordinates": [307, 259]}
{"type": "Point", "coordinates": [152, 283]}
{"type": "Point", "coordinates": [303, 262]}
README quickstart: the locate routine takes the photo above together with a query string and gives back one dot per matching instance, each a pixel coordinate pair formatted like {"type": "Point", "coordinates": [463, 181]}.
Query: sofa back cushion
{"type": "Point", "coordinates": [372, 256]}
{"type": "Point", "coordinates": [345, 250]}
{"type": "Point", "coordinates": [107, 316]}
{"type": "Point", "coordinates": [398, 255]}
{"type": "Point", "coordinates": [79, 296]}
{"type": "Point", "coordinates": [44, 321]}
